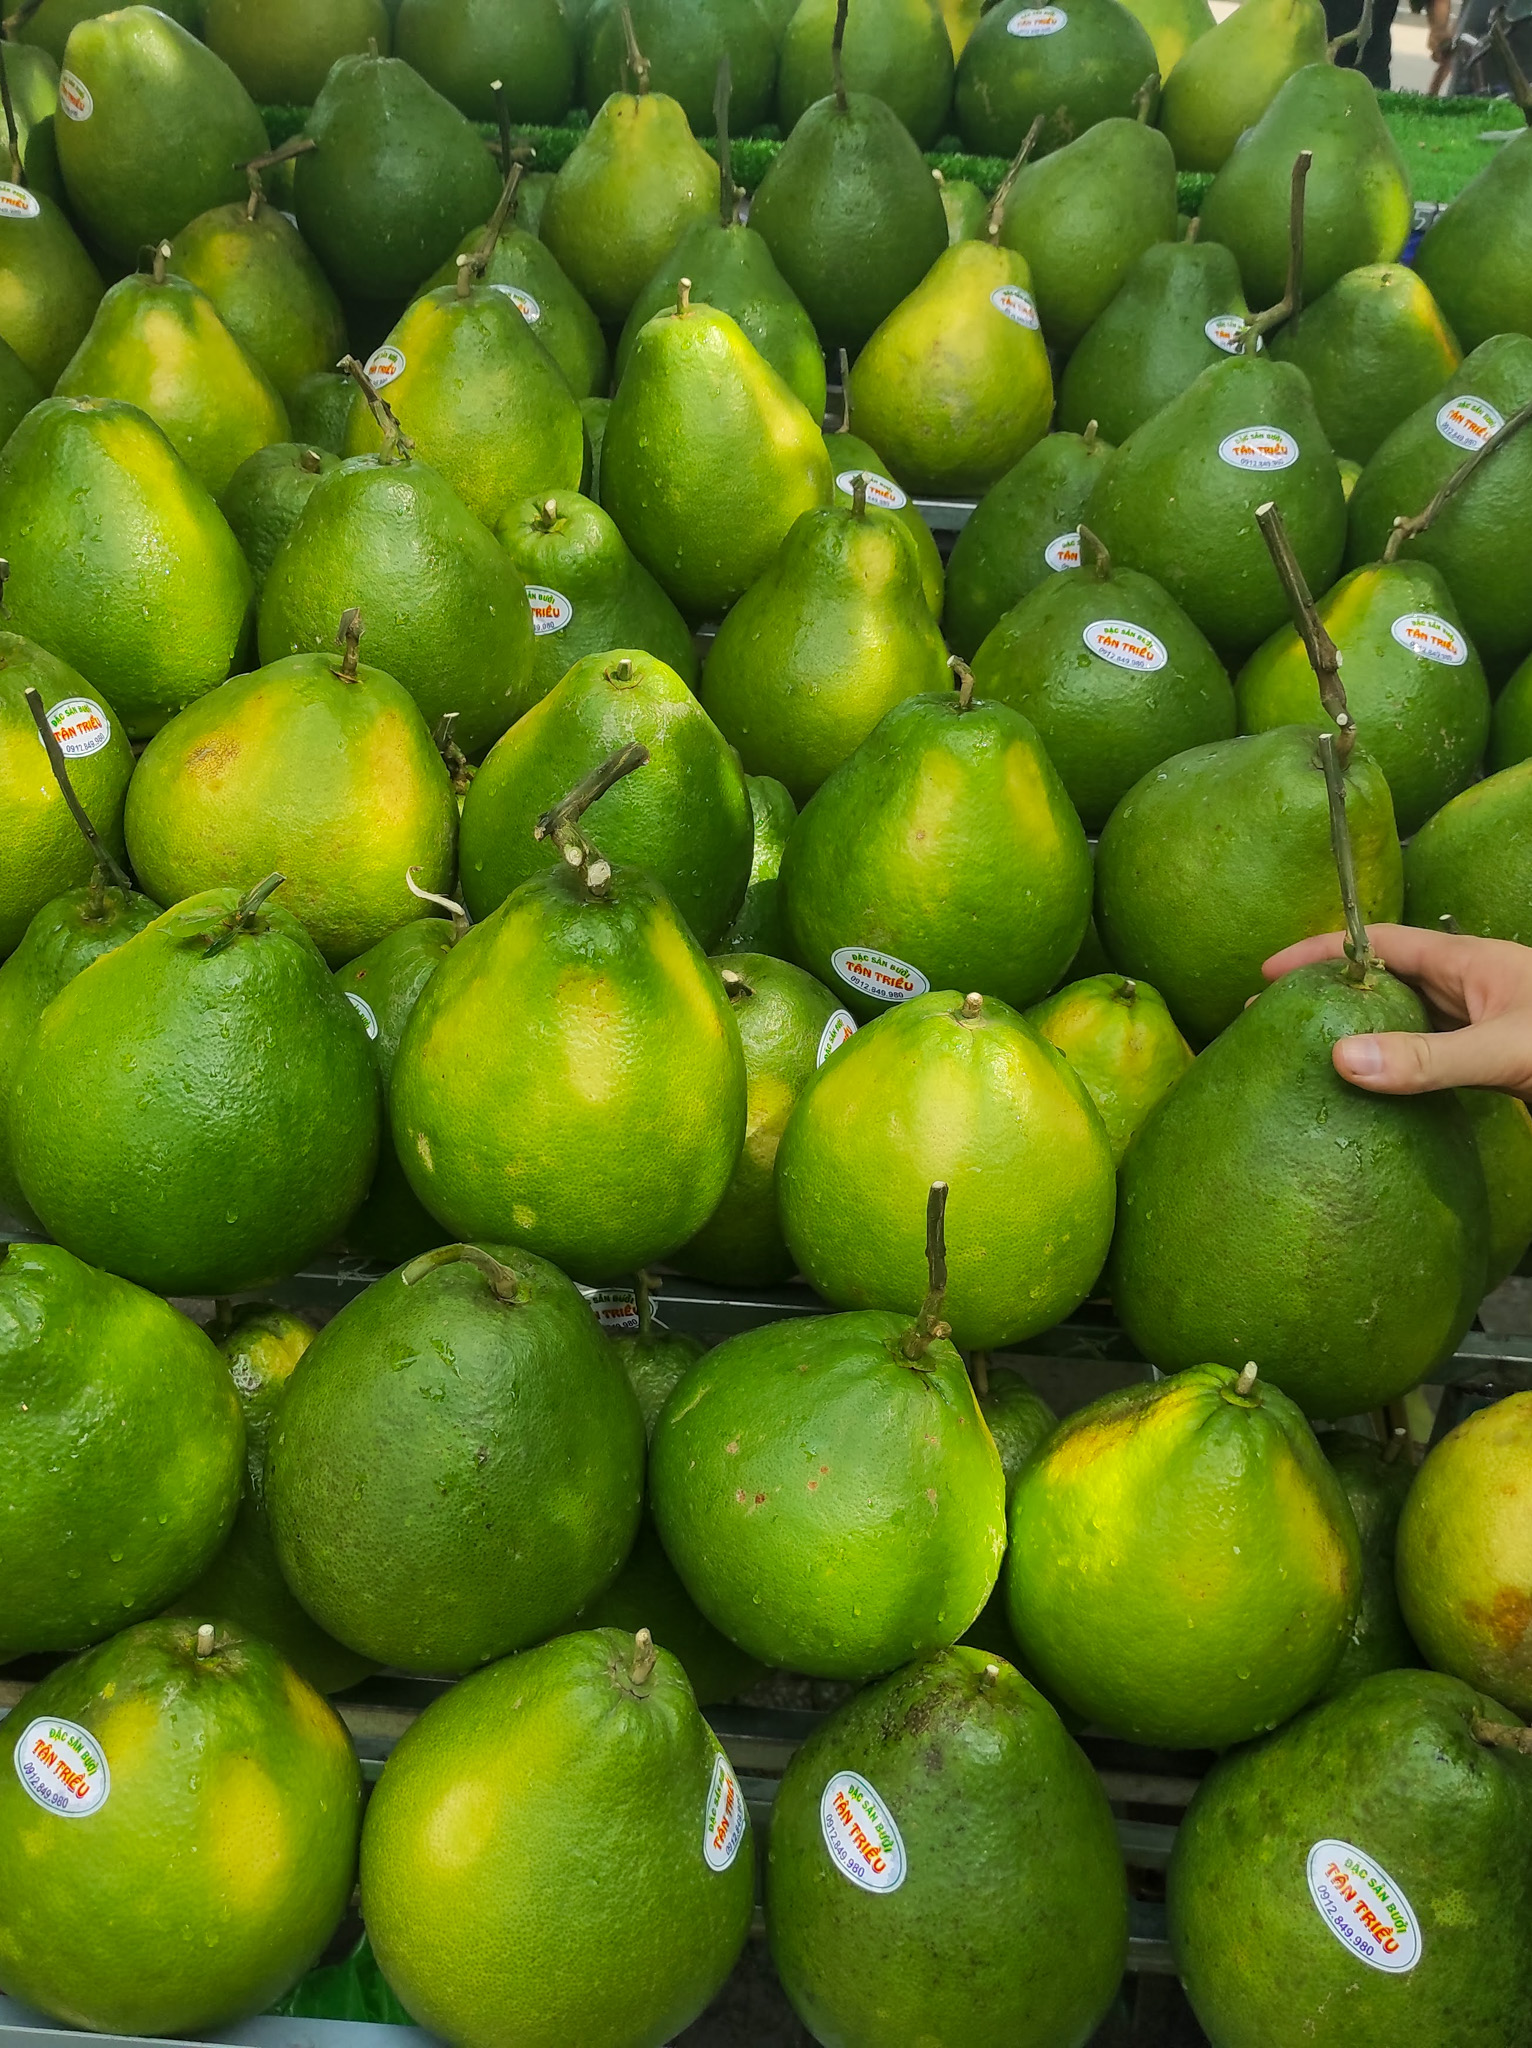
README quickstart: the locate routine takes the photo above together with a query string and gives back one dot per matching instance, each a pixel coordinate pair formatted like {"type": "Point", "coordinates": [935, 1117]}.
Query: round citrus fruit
{"type": "Point", "coordinates": [1121, 1041]}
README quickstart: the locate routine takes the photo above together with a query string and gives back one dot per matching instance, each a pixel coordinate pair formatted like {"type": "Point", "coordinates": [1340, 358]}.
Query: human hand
{"type": "Point", "coordinates": [1484, 985]}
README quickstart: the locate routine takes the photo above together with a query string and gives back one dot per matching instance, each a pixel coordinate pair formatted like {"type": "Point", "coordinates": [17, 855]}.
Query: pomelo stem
{"type": "Point", "coordinates": [397, 445]}
{"type": "Point", "coordinates": [461, 921]}
{"type": "Point", "coordinates": [502, 120]}
{"type": "Point", "coordinates": [735, 985]}
{"type": "Point", "coordinates": [634, 58]}
{"type": "Point", "coordinates": [458, 765]}
{"type": "Point", "coordinates": [1496, 1735]}
{"type": "Point", "coordinates": [1092, 428]}
{"type": "Point", "coordinates": [1103, 561]}
{"type": "Point", "coordinates": [1357, 35]}
{"type": "Point", "coordinates": [644, 1654]}
{"type": "Point", "coordinates": [56, 762]}
{"type": "Point", "coordinates": [928, 1327]}
{"type": "Point", "coordinates": [1247, 1379]}
{"type": "Point", "coordinates": [504, 206]}
{"type": "Point", "coordinates": [644, 1285]}
{"type": "Point", "coordinates": [562, 823]}
{"type": "Point", "coordinates": [95, 898]}
{"type": "Point", "coordinates": [350, 638]}
{"type": "Point", "coordinates": [683, 298]}
{"type": "Point", "coordinates": [1291, 300]}
{"type": "Point", "coordinates": [1324, 656]}
{"type": "Point", "coordinates": [13, 140]}
{"type": "Point", "coordinates": [1003, 192]}
{"type": "Point", "coordinates": [205, 1640]}
{"type": "Point", "coordinates": [162, 255]}
{"type": "Point", "coordinates": [1143, 99]}
{"type": "Point", "coordinates": [859, 496]}
{"type": "Point", "coordinates": [1361, 960]}
{"type": "Point", "coordinates": [1407, 529]}
{"type": "Point", "coordinates": [962, 675]}
{"type": "Point", "coordinates": [503, 1283]}
{"type": "Point", "coordinates": [721, 92]}
{"type": "Point", "coordinates": [837, 60]}
{"type": "Point", "coordinates": [310, 462]}
{"type": "Point", "coordinates": [845, 392]}
{"type": "Point", "coordinates": [242, 918]}
{"type": "Point", "coordinates": [295, 145]}
{"type": "Point", "coordinates": [1126, 991]}
{"type": "Point", "coordinates": [971, 1008]}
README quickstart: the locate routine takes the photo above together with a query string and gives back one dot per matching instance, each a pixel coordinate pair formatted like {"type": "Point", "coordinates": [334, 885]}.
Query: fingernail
{"type": "Point", "coordinates": [1362, 1057]}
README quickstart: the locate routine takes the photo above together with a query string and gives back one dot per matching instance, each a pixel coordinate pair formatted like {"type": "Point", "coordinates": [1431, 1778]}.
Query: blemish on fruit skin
{"type": "Point", "coordinates": [740, 1497]}
{"type": "Point", "coordinates": [731, 1450]}
{"type": "Point", "coordinates": [1507, 1617]}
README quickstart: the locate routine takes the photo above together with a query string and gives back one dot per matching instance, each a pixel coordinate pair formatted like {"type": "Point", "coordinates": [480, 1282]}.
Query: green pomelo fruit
{"type": "Point", "coordinates": [281, 50]}
{"type": "Point", "coordinates": [1019, 1420]}
{"type": "Point", "coordinates": [99, 1376]}
{"type": "Point", "coordinates": [1122, 1042]}
{"type": "Point", "coordinates": [458, 1462]}
{"type": "Point", "coordinates": [462, 49]}
{"type": "Point", "coordinates": [1510, 728]}
{"type": "Point", "coordinates": [227, 1783]}
{"type": "Point", "coordinates": [573, 1026]}
{"type": "Point", "coordinates": [961, 1090]}
{"type": "Point", "coordinates": [682, 42]}
{"type": "Point", "coordinates": [901, 852]}
{"type": "Point", "coordinates": [49, 287]}
{"type": "Point", "coordinates": [215, 1002]}
{"type": "Point", "coordinates": [1262, 1160]}
{"type": "Point", "coordinates": [268, 289]}
{"type": "Point", "coordinates": [321, 770]}
{"type": "Point", "coordinates": [320, 407]}
{"type": "Point", "coordinates": [1470, 862]}
{"type": "Point", "coordinates": [1224, 85]}
{"type": "Point", "coordinates": [758, 926]}
{"type": "Point", "coordinates": [1464, 1557]}
{"type": "Point", "coordinates": [1077, 68]}
{"type": "Point", "coordinates": [1502, 1129]}
{"type": "Point", "coordinates": [647, 1593]}
{"type": "Point", "coordinates": [1375, 1482]}
{"type": "Point", "coordinates": [899, 51]}
{"type": "Point", "coordinates": [264, 499]}
{"type": "Point", "coordinates": [685, 818]}
{"type": "Point", "coordinates": [1183, 1568]}
{"type": "Point", "coordinates": [1480, 265]}
{"type": "Point", "coordinates": [889, 1545]}
{"type": "Point", "coordinates": [851, 457]}
{"type": "Point", "coordinates": [789, 1024]}
{"type": "Point", "coordinates": [244, 1583]}
{"type": "Point", "coordinates": [1362, 1874]}
{"type": "Point", "coordinates": [943, 1828]}
{"type": "Point", "coordinates": [528, 274]}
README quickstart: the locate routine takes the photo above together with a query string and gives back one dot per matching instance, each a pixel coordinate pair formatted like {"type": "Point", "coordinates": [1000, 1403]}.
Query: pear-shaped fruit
{"type": "Point", "coordinates": [1479, 539]}
{"type": "Point", "coordinates": [1178, 499]}
{"type": "Point", "coordinates": [1075, 67]}
{"type": "Point", "coordinates": [1023, 531]}
{"type": "Point", "coordinates": [1179, 310]}
{"type": "Point", "coordinates": [682, 42]}
{"type": "Point", "coordinates": [32, 77]}
{"type": "Point", "coordinates": [265, 496]}
{"type": "Point", "coordinates": [1251, 1170]}
{"type": "Point", "coordinates": [49, 26]}
{"type": "Point", "coordinates": [1510, 729]}
{"type": "Point", "coordinates": [834, 634]}
{"type": "Point", "coordinates": [42, 850]}
{"type": "Point", "coordinates": [708, 458]}
{"type": "Point", "coordinates": [157, 343]}
{"type": "Point", "coordinates": [463, 47]}
{"type": "Point", "coordinates": [281, 50]}
{"type": "Point", "coordinates": [1414, 684]}
{"type": "Point", "coordinates": [1478, 264]}
{"type": "Point", "coordinates": [1040, 1916]}
{"type": "Point", "coordinates": [1113, 675]}
{"type": "Point", "coordinates": [579, 1022]}
{"type": "Point", "coordinates": [526, 272]}
{"type": "Point", "coordinates": [732, 269]}
{"type": "Point", "coordinates": [851, 457]}
{"type": "Point", "coordinates": [588, 592]}
{"type": "Point", "coordinates": [1173, 25]}
{"type": "Point", "coordinates": [1222, 857]}
{"type": "Point", "coordinates": [685, 821]}
{"type": "Point", "coordinates": [1083, 216]}
{"type": "Point", "coordinates": [789, 1024]}
{"type": "Point", "coordinates": [1472, 862]}
{"type": "Point", "coordinates": [1374, 347]}
{"type": "Point", "coordinates": [317, 763]}
{"type": "Point", "coordinates": [960, 1089]}
{"type": "Point", "coordinates": [396, 178]}
{"type": "Point", "coordinates": [954, 387]}
{"type": "Point", "coordinates": [1182, 1568]}
{"type": "Point", "coordinates": [1122, 1042]}
{"type": "Point", "coordinates": [966, 208]}
{"type": "Point", "coordinates": [897, 861]}
{"type": "Point", "coordinates": [1226, 82]}
{"type": "Point", "coordinates": [153, 129]}
{"type": "Point", "coordinates": [482, 401]}
{"type": "Point", "coordinates": [223, 999]}
{"type": "Point", "coordinates": [758, 926]}
{"type": "Point", "coordinates": [267, 288]}
{"type": "Point", "coordinates": [445, 608]}
{"type": "Point", "coordinates": [121, 562]}
{"type": "Point", "coordinates": [49, 287]}
{"type": "Point", "coordinates": [851, 213]}
{"type": "Point", "coordinates": [897, 50]}
{"type": "Point", "coordinates": [1502, 1129]}
{"type": "Point", "coordinates": [1356, 205]}
{"type": "Point", "coordinates": [637, 179]}
{"type": "Point", "coordinates": [1375, 1479]}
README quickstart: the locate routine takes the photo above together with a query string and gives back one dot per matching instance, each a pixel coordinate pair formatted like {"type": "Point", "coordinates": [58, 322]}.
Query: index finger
{"type": "Point", "coordinates": [1439, 961]}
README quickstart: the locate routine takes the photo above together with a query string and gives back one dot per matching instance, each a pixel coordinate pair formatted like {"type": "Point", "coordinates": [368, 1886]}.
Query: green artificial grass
{"type": "Point", "coordinates": [1440, 140]}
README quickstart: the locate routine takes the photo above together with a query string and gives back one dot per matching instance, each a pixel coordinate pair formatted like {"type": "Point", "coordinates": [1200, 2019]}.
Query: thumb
{"type": "Point", "coordinates": [1494, 1054]}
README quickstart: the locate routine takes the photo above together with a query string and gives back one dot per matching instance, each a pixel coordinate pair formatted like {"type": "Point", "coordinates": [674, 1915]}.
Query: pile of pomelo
{"type": "Point", "coordinates": [516, 849]}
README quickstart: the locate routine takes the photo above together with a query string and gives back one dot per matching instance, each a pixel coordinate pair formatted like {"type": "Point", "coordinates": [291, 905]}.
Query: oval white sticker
{"type": "Point", "coordinates": [838, 1028]}
{"type": "Point", "coordinates": [365, 1011]}
{"type": "Point", "coordinates": [74, 97]}
{"type": "Point", "coordinates": [1425, 634]}
{"type": "Point", "coordinates": [1468, 422]}
{"type": "Point", "coordinates": [878, 975]}
{"type": "Point", "coordinates": [551, 609]}
{"type": "Point", "coordinates": [1227, 331]}
{"type": "Point", "coordinates": [615, 1309]}
{"type": "Point", "coordinates": [882, 491]}
{"type": "Point", "coordinates": [1063, 551]}
{"type": "Point", "coordinates": [1363, 1908]}
{"type": "Point", "coordinates": [384, 365]}
{"type": "Point", "coordinates": [63, 1767]}
{"type": "Point", "coordinates": [524, 302]}
{"type": "Point", "coordinates": [1038, 21]}
{"type": "Point", "coordinates": [1015, 304]}
{"type": "Point", "coordinates": [861, 1834]}
{"type": "Point", "coordinates": [1125, 645]}
{"type": "Point", "coordinates": [80, 726]}
{"type": "Point", "coordinates": [723, 1818]}
{"type": "Point", "coordinates": [17, 203]}
{"type": "Point", "coordinates": [1259, 448]}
